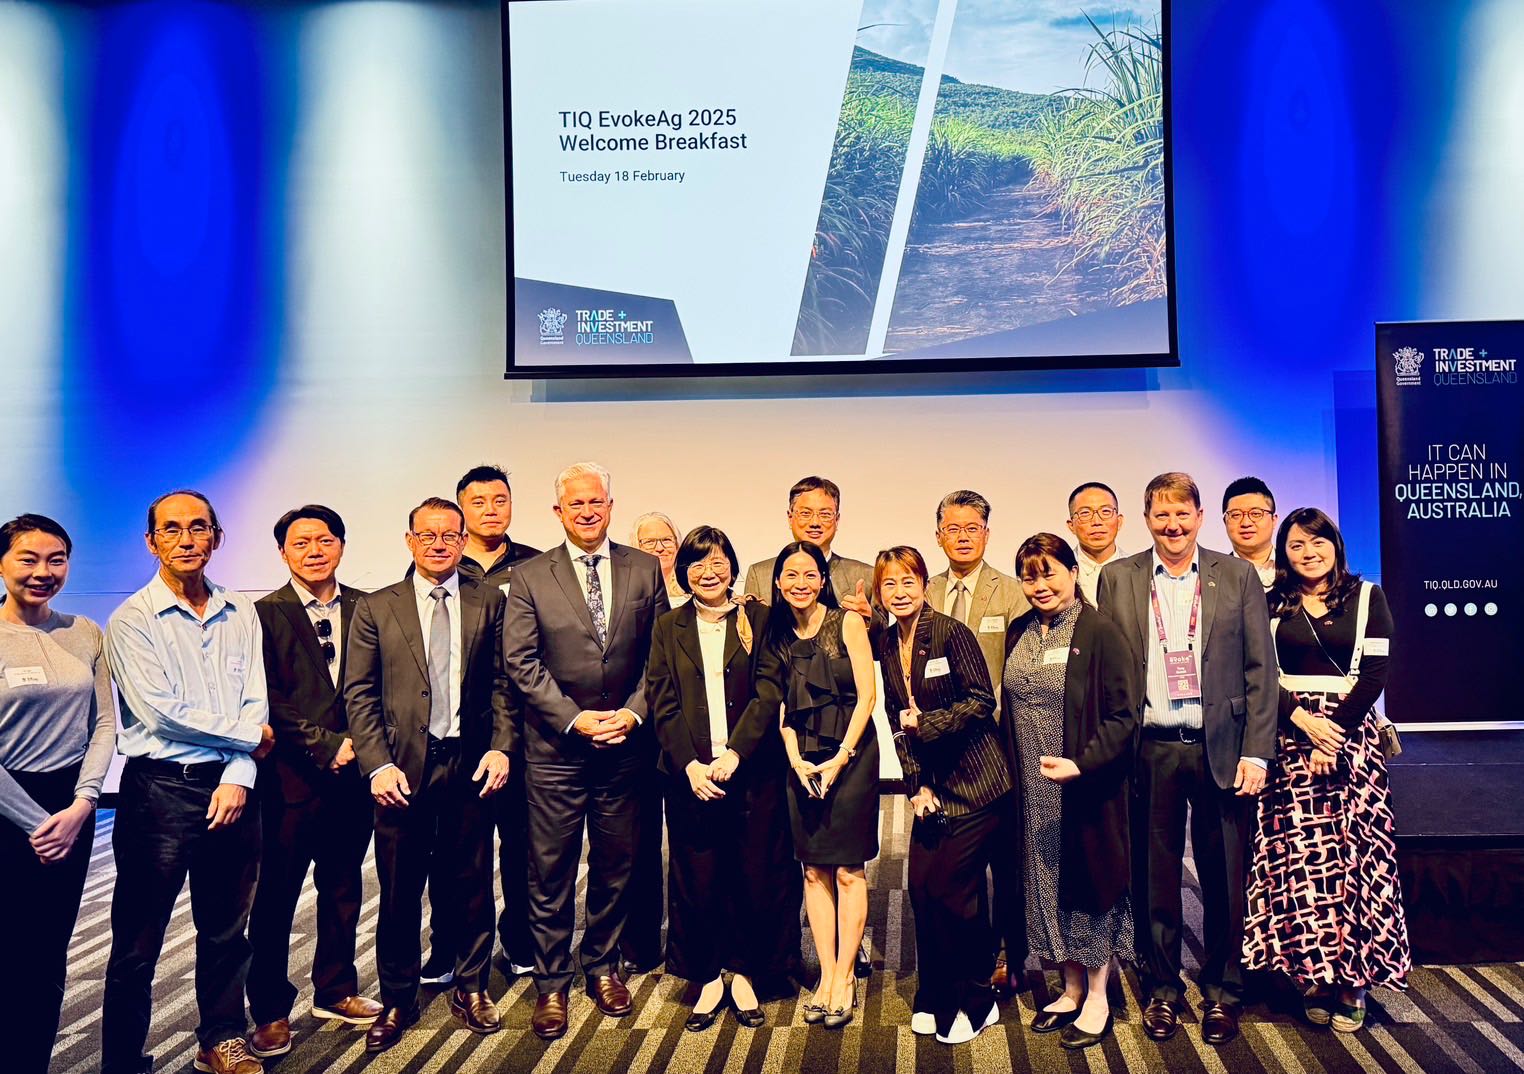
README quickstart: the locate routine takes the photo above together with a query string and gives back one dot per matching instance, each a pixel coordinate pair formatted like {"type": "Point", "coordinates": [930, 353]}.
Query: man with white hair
{"type": "Point", "coordinates": [575, 642]}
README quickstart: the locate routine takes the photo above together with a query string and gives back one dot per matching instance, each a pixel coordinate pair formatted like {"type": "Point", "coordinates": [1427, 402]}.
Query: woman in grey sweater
{"type": "Point", "coordinates": [57, 736]}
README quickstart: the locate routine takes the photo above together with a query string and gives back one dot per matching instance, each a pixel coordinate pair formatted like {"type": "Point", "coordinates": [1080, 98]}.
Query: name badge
{"type": "Point", "coordinates": [1055, 656]}
{"type": "Point", "coordinates": [27, 676]}
{"type": "Point", "coordinates": [1180, 673]}
{"type": "Point", "coordinates": [992, 624]}
{"type": "Point", "coordinates": [1376, 647]}
{"type": "Point", "coordinates": [504, 587]}
{"type": "Point", "coordinates": [935, 669]}
{"type": "Point", "coordinates": [235, 665]}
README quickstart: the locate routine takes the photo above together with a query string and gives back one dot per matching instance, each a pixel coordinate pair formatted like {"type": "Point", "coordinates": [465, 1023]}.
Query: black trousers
{"type": "Point", "coordinates": [1009, 905]}
{"type": "Point", "coordinates": [445, 819]}
{"type": "Point", "coordinates": [330, 833]}
{"type": "Point", "coordinates": [954, 941]}
{"type": "Point", "coordinates": [562, 797]}
{"type": "Point", "coordinates": [731, 863]}
{"type": "Point", "coordinates": [641, 942]}
{"type": "Point", "coordinates": [159, 839]}
{"type": "Point", "coordinates": [40, 903]}
{"type": "Point", "coordinates": [1172, 776]}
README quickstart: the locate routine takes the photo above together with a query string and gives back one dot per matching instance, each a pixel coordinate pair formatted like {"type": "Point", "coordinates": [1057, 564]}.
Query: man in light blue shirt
{"type": "Point", "coordinates": [188, 658]}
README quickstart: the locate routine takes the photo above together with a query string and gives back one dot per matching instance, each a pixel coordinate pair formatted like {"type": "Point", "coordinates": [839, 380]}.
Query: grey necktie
{"type": "Point", "coordinates": [439, 665]}
{"type": "Point", "coordinates": [595, 600]}
{"type": "Point", "coordinates": [960, 602]}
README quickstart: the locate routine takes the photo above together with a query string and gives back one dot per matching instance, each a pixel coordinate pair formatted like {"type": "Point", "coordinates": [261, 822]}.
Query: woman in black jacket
{"type": "Point", "coordinates": [1070, 722]}
{"type": "Point", "coordinates": [941, 705]}
{"type": "Point", "coordinates": [729, 839]}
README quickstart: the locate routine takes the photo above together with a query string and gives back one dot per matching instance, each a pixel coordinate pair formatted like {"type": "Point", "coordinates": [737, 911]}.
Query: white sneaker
{"type": "Point", "coordinates": [963, 1031]}
{"type": "Point", "coordinates": [924, 1023]}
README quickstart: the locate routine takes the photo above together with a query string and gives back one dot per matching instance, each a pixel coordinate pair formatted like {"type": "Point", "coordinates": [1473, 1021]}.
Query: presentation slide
{"type": "Point", "coordinates": [755, 184]}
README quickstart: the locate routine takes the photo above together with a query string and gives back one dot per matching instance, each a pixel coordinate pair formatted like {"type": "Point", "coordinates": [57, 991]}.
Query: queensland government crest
{"type": "Point", "coordinates": [1409, 365]}
{"type": "Point", "coordinates": [552, 326]}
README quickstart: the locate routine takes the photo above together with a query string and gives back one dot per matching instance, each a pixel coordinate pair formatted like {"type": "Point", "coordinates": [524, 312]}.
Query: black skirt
{"type": "Point", "coordinates": [842, 828]}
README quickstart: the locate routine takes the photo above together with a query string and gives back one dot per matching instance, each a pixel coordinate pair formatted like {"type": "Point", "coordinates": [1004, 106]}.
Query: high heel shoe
{"type": "Point", "coordinates": [842, 1015]}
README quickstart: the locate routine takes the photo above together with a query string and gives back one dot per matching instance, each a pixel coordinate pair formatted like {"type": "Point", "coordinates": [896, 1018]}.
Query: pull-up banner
{"type": "Point", "coordinates": [1451, 414]}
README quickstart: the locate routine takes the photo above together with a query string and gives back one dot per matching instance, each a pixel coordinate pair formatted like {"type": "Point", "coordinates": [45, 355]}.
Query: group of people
{"type": "Point", "coordinates": [1056, 729]}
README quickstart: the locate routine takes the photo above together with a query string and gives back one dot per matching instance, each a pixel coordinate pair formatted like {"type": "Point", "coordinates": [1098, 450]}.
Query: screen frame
{"type": "Point", "coordinates": [858, 366]}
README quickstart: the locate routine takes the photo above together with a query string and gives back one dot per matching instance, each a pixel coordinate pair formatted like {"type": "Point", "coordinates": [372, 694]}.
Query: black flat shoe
{"type": "Point", "coordinates": [1051, 1021]}
{"type": "Point", "coordinates": [751, 1018]}
{"type": "Point", "coordinates": [1075, 1038]}
{"type": "Point", "coordinates": [697, 1023]}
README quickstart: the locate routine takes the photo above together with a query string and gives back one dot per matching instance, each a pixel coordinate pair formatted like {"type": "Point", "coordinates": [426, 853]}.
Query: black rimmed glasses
{"type": "Point", "coordinates": [428, 537]}
{"type": "Point", "coordinates": [1253, 514]}
{"type": "Point", "coordinates": [1085, 514]}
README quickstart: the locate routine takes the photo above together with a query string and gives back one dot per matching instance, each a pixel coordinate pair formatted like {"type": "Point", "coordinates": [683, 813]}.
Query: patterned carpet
{"type": "Point", "coordinates": [1453, 1018]}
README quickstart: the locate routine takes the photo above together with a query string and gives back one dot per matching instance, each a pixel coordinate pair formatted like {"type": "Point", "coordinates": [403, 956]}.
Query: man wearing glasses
{"type": "Point", "coordinates": [430, 714]}
{"type": "Point", "coordinates": [814, 512]}
{"type": "Point", "coordinates": [314, 804]}
{"type": "Point", "coordinates": [1248, 514]}
{"type": "Point", "coordinates": [1095, 522]}
{"type": "Point", "coordinates": [188, 660]}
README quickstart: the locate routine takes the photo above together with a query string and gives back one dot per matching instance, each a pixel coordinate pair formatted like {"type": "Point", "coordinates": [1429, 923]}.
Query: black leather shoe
{"type": "Point", "coordinates": [1074, 1038]}
{"type": "Point", "coordinates": [1051, 1021]}
{"type": "Point", "coordinates": [1160, 1019]}
{"type": "Point", "coordinates": [1219, 1023]}
{"type": "Point", "coordinates": [387, 1029]}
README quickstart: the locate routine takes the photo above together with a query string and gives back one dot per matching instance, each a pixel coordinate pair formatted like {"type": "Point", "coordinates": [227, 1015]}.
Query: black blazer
{"type": "Point", "coordinates": [306, 709]}
{"type": "Point", "coordinates": [386, 685]}
{"type": "Point", "coordinates": [956, 748]}
{"type": "Point", "coordinates": [552, 656]}
{"type": "Point", "coordinates": [679, 701]}
{"type": "Point", "coordinates": [1101, 705]}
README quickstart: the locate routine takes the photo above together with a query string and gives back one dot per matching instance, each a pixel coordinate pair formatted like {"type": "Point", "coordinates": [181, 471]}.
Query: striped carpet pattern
{"type": "Point", "coordinates": [1453, 1018]}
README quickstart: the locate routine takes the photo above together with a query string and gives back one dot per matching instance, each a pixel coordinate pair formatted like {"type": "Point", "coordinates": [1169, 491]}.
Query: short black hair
{"type": "Point", "coordinates": [24, 524]}
{"type": "Point", "coordinates": [964, 498]}
{"type": "Point", "coordinates": [702, 542]}
{"type": "Point", "coordinates": [153, 508]}
{"type": "Point", "coordinates": [486, 472]}
{"type": "Point", "coordinates": [815, 484]}
{"type": "Point", "coordinates": [315, 511]}
{"type": "Point", "coordinates": [437, 503]}
{"type": "Point", "coordinates": [1107, 489]}
{"type": "Point", "coordinates": [1248, 486]}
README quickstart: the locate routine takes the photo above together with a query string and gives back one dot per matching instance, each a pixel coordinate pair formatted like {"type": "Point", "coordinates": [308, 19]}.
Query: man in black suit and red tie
{"type": "Point", "coordinates": [315, 804]}
{"type": "Point", "coordinates": [432, 723]}
{"type": "Point", "coordinates": [575, 642]}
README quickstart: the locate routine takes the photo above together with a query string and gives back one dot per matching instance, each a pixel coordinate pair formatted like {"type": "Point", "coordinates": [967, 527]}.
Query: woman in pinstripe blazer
{"type": "Point", "coordinates": [941, 705]}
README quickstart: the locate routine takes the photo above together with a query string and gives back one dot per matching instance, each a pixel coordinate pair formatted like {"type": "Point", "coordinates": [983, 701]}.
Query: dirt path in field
{"type": "Point", "coordinates": [989, 272]}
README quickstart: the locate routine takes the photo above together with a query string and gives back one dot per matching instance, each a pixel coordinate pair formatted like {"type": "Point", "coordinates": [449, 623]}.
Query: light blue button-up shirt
{"type": "Point", "coordinates": [1175, 598]}
{"type": "Point", "coordinates": [192, 687]}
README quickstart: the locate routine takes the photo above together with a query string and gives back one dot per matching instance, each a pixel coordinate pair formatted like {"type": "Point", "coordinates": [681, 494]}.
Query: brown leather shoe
{"type": "Point", "coordinates": [1000, 980]}
{"type": "Point", "coordinates": [610, 994]}
{"type": "Point", "coordinates": [227, 1057]}
{"type": "Point", "coordinates": [387, 1029]}
{"type": "Point", "coordinates": [549, 1020]}
{"type": "Point", "coordinates": [1160, 1021]}
{"type": "Point", "coordinates": [356, 1010]}
{"type": "Point", "coordinates": [1219, 1023]}
{"type": "Point", "coordinates": [476, 1010]}
{"type": "Point", "coordinates": [270, 1039]}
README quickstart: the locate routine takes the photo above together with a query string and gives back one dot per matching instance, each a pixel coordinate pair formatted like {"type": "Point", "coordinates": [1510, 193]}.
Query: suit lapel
{"type": "Point", "coordinates": [348, 599]}
{"type": "Point", "coordinates": [1209, 580]}
{"type": "Point", "coordinates": [936, 592]}
{"type": "Point", "coordinates": [566, 577]}
{"type": "Point", "coordinates": [979, 604]}
{"type": "Point", "coordinates": [1143, 580]}
{"type": "Point", "coordinates": [404, 609]}
{"type": "Point", "coordinates": [919, 648]}
{"type": "Point", "coordinates": [291, 604]}
{"type": "Point", "coordinates": [732, 635]}
{"type": "Point", "coordinates": [619, 568]}
{"type": "Point", "coordinates": [687, 635]}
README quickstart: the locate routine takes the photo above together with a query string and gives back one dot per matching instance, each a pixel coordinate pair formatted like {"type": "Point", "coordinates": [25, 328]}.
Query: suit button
{"type": "Point", "coordinates": [605, 696]}
{"type": "Point", "coordinates": [423, 729]}
{"type": "Point", "coordinates": [605, 659]}
{"type": "Point", "coordinates": [425, 693]}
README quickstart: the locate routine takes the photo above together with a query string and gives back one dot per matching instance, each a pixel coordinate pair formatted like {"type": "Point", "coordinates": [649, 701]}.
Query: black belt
{"type": "Point", "coordinates": [443, 748]}
{"type": "Point", "coordinates": [1191, 736]}
{"type": "Point", "coordinates": [201, 772]}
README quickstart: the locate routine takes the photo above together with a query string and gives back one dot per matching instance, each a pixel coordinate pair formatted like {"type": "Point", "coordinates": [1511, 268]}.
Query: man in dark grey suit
{"type": "Point", "coordinates": [429, 711]}
{"type": "Point", "coordinates": [1197, 625]}
{"type": "Point", "coordinates": [575, 642]}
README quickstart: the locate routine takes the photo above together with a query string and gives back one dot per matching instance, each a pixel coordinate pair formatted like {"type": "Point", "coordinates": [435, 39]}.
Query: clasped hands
{"type": "Point", "coordinates": [826, 772]}
{"type": "Point", "coordinates": [705, 779]}
{"type": "Point", "coordinates": [605, 728]}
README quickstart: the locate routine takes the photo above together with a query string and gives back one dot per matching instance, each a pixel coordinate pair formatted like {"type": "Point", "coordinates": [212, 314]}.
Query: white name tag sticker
{"type": "Point", "coordinates": [1376, 647]}
{"type": "Point", "coordinates": [935, 669]}
{"type": "Point", "coordinates": [504, 587]}
{"type": "Point", "coordinates": [27, 676]}
{"type": "Point", "coordinates": [235, 665]}
{"type": "Point", "coordinates": [1055, 656]}
{"type": "Point", "coordinates": [992, 624]}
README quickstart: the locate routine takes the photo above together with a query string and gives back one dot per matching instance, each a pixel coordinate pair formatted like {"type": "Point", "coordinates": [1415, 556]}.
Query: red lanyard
{"type": "Point", "coordinates": [1190, 635]}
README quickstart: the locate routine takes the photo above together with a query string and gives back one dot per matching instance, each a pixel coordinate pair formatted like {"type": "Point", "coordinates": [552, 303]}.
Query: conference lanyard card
{"type": "Point", "coordinates": [1180, 672]}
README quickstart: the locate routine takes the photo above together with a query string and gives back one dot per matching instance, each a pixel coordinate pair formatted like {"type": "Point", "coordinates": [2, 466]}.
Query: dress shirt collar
{"type": "Point", "coordinates": [307, 598]}
{"type": "Point", "coordinates": [970, 581]}
{"type": "Point", "coordinates": [1086, 557]}
{"type": "Point", "coordinates": [1159, 566]}
{"type": "Point", "coordinates": [162, 599]}
{"type": "Point", "coordinates": [423, 587]}
{"type": "Point", "coordinates": [577, 553]}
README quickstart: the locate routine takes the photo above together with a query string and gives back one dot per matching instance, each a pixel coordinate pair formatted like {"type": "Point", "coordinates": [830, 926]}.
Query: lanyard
{"type": "Point", "coordinates": [1190, 635]}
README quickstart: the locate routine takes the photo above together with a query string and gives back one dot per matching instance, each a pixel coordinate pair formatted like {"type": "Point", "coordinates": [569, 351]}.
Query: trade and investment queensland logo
{"type": "Point", "coordinates": [1409, 365]}
{"type": "Point", "coordinates": [552, 327]}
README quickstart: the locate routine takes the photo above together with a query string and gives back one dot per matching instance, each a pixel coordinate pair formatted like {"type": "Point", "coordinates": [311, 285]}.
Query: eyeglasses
{"type": "Point", "coordinates": [699, 568]}
{"type": "Point", "coordinates": [1085, 514]}
{"type": "Point", "coordinates": [650, 544]}
{"type": "Point", "coordinates": [325, 634]}
{"type": "Point", "coordinates": [1254, 514]}
{"type": "Point", "coordinates": [199, 530]}
{"type": "Point", "coordinates": [804, 514]}
{"type": "Point", "coordinates": [451, 540]}
{"type": "Point", "coordinates": [973, 529]}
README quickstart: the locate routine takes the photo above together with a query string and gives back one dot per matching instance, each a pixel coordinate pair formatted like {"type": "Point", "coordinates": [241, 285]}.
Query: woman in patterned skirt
{"type": "Point", "coordinates": [1071, 707]}
{"type": "Point", "coordinates": [1324, 903]}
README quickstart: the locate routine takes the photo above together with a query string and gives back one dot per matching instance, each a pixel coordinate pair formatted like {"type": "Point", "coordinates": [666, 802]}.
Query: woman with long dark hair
{"type": "Point", "coordinates": [1324, 901]}
{"type": "Point", "coordinates": [57, 737]}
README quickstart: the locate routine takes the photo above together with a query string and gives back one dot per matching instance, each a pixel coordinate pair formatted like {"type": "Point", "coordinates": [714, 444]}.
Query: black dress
{"type": "Point", "coordinates": [819, 694]}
